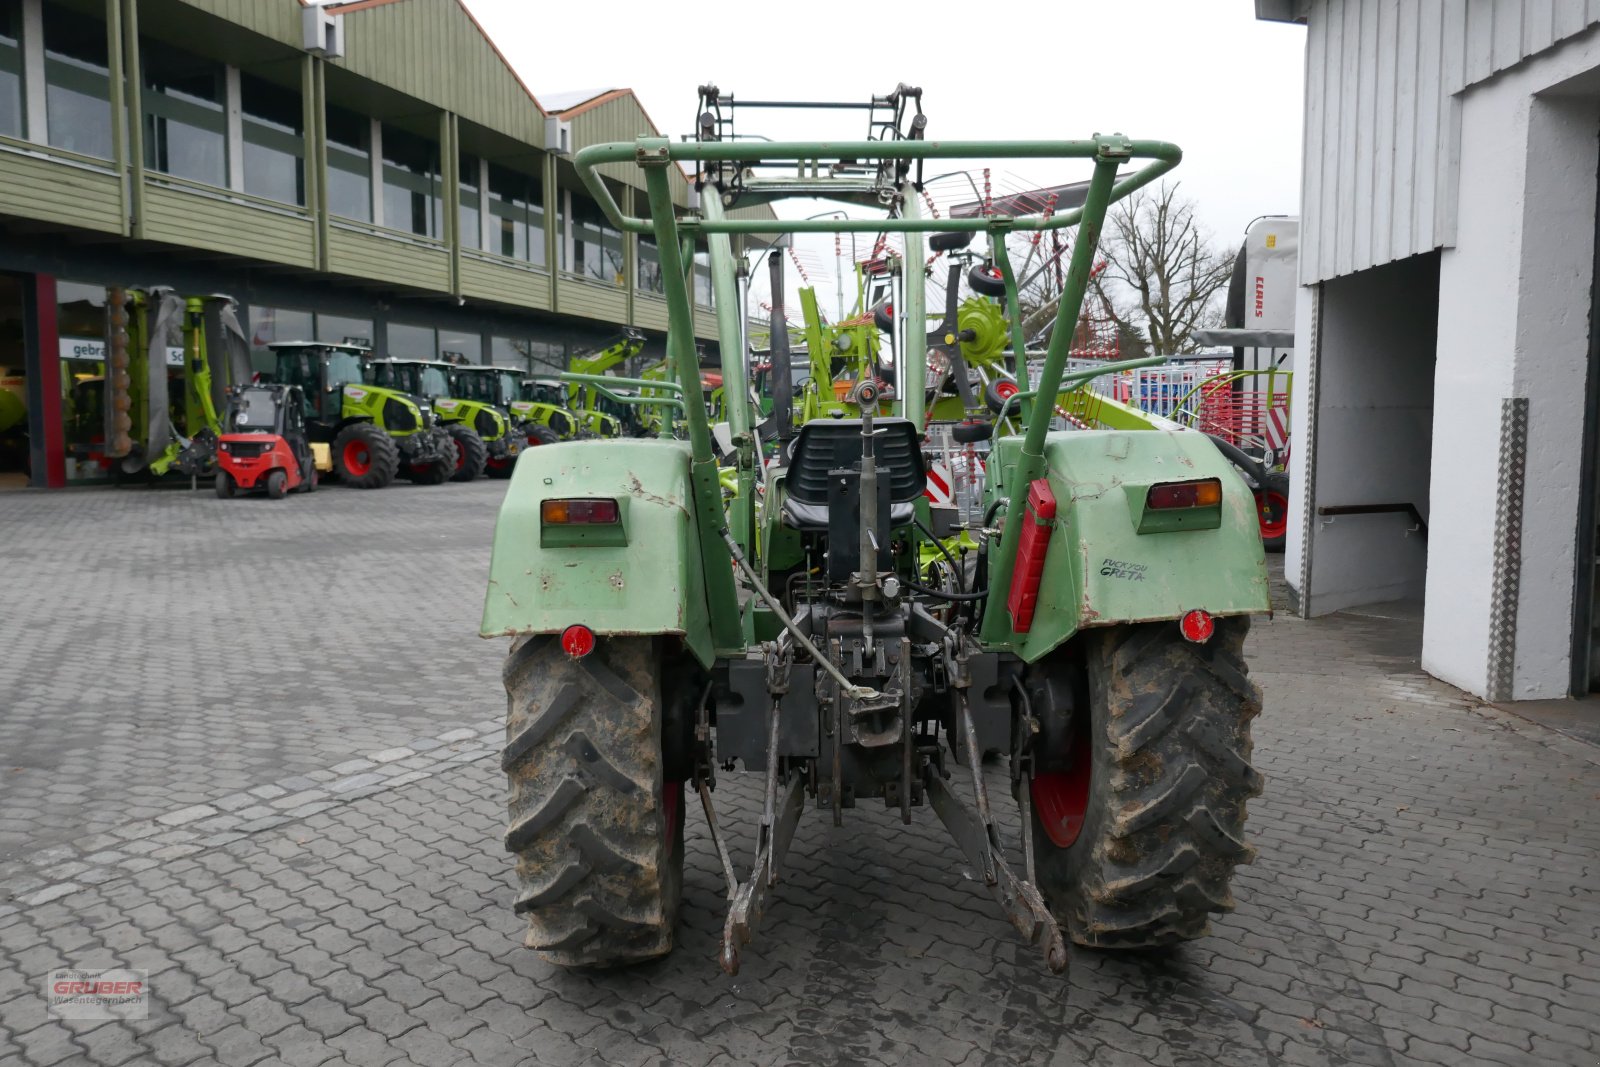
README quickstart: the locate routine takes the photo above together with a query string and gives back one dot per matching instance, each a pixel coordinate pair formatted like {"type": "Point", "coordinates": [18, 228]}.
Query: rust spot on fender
{"type": "Point", "coordinates": [636, 488]}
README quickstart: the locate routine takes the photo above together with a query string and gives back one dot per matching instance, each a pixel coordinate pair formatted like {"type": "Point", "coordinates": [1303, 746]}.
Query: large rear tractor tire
{"type": "Point", "coordinates": [437, 471]}
{"type": "Point", "coordinates": [542, 435]}
{"type": "Point", "coordinates": [1136, 840]}
{"type": "Point", "coordinates": [365, 457]}
{"type": "Point", "coordinates": [596, 827]}
{"type": "Point", "coordinates": [471, 452]}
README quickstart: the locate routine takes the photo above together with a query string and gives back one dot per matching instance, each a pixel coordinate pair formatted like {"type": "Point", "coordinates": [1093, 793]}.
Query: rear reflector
{"type": "Point", "coordinates": [1032, 545]}
{"type": "Point", "coordinates": [580, 512]}
{"type": "Point", "coordinates": [1201, 494]}
{"type": "Point", "coordinates": [1197, 626]}
{"type": "Point", "coordinates": [577, 640]}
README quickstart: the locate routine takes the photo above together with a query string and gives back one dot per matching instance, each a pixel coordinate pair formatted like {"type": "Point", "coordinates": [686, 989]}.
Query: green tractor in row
{"type": "Point", "coordinates": [502, 389]}
{"type": "Point", "coordinates": [1095, 640]}
{"type": "Point", "coordinates": [376, 432]}
{"type": "Point", "coordinates": [487, 438]}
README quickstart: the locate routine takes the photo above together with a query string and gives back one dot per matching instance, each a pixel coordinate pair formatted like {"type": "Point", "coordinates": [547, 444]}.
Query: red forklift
{"type": "Point", "coordinates": [264, 445]}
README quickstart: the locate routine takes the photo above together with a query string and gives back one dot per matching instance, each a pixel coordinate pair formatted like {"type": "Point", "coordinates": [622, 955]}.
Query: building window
{"type": "Point", "coordinates": [270, 326]}
{"type": "Point", "coordinates": [650, 267]}
{"type": "Point", "coordinates": [77, 82]}
{"type": "Point", "coordinates": [516, 210]}
{"type": "Point", "coordinates": [702, 279]}
{"type": "Point", "coordinates": [469, 224]}
{"type": "Point", "coordinates": [458, 346]}
{"type": "Point", "coordinates": [185, 131]}
{"type": "Point", "coordinates": [274, 141]}
{"type": "Point", "coordinates": [411, 342]}
{"type": "Point", "coordinates": [349, 165]}
{"type": "Point", "coordinates": [535, 357]}
{"type": "Point", "coordinates": [596, 244]}
{"type": "Point", "coordinates": [410, 183]}
{"type": "Point", "coordinates": [11, 100]}
{"type": "Point", "coordinates": [339, 330]}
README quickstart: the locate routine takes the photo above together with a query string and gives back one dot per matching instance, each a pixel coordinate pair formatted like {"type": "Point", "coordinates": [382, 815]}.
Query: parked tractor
{"type": "Point", "coordinates": [479, 430]}
{"type": "Point", "coordinates": [499, 388]}
{"type": "Point", "coordinates": [263, 446]}
{"type": "Point", "coordinates": [1095, 640]}
{"type": "Point", "coordinates": [376, 432]}
{"type": "Point", "coordinates": [541, 403]}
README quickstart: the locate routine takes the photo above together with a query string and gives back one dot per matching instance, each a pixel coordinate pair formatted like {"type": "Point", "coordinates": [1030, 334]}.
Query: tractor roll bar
{"type": "Point", "coordinates": [654, 155]}
{"type": "Point", "coordinates": [1163, 156]}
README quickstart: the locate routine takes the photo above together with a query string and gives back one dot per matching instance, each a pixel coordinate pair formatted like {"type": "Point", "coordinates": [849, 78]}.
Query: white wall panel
{"type": "Point", "coordinates": [1382, 79]}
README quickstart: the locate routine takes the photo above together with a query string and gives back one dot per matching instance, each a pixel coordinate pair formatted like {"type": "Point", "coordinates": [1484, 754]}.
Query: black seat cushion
{"type": "Point", "coordinates": [835, 444]}
{"type": "Point", "coordinates": [813, 518]}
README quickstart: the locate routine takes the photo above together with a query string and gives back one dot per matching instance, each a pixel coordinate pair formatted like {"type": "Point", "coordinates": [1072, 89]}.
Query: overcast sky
{"type": "Point", "coordinates": [1202, 73]}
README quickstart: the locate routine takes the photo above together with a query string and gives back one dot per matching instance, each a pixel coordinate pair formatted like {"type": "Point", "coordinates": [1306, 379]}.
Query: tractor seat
{"type": "Point", "coordinates": [813, 518]}
{"type": "Point", "coordinates": [835, 444]}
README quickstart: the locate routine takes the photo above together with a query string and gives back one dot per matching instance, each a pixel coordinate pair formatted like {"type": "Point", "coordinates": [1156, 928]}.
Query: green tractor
{"type": "Point", "coordinates": [1095, 641]}
{"type": "Point", "coordinates": [480, 430]}
{"type": "Point", "coordinates": [541, 404]}
{"type": "Point", "coordinates": [502, 388]}
{"type": "Point", "coordinates": [376, 432]}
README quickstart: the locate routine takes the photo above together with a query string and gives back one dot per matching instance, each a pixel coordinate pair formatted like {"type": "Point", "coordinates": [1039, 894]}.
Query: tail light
{"type": "Point", "coordinates": [1031, 547]}
{"type": "Point", "coordinates": [1204, 493]}
{"type": "Point", "coordinates": [580, 512]}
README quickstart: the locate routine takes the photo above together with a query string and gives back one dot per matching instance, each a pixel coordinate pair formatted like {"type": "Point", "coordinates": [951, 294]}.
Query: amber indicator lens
{"type": "Point", "coordinates": [1201, 494]}
{"type": "Point", "coordinates": [580, 512]}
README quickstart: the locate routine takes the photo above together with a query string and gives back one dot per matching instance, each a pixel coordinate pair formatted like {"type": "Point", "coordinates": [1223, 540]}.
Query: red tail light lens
{"type": "Point", "coordinates": [577, 640]}
{"type": "Point", "coordinates": [1197, 626]}
{"type": "Point", "coordinates": [1199, 494]}
{"type": "Point", "coordinates": [580, 512]}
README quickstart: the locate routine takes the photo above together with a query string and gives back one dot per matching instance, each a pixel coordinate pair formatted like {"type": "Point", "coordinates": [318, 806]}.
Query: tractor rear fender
{"type": "Point", "coordinates": [1101, 570]}
{"type": "Point", "coordinates": [645, 578]}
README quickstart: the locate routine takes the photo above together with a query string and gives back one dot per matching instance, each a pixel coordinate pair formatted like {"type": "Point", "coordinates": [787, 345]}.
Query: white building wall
{"type": "Point", "coordinates": [1514, 304]}
{"type": "Point", "coordinates": [1380, 145]}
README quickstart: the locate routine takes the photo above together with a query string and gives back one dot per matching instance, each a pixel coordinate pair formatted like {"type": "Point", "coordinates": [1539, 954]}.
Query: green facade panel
{"type": "Point", "coordinates": [61, 191]}
{"type": "Point", "coordinates": [504, 282]}
{"type": "Point", "coordinates": [593, 301]}
{"type": "Point", "coordinates": [650, 312]}
{"type": "Point", "coordinates": [195, 220]}
{"type": "Point", "coordinates": [370, 255]}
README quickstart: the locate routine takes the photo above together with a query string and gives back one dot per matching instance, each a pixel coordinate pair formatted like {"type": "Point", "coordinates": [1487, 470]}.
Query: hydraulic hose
{"type": "Point", "coordinates": [943, 595]}
{"type": "Point", "coordinates": [943, 551]}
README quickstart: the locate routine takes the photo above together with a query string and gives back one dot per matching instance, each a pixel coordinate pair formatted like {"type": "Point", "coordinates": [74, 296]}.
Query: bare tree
{"type": "Point", "coordinates": [1163, 278]}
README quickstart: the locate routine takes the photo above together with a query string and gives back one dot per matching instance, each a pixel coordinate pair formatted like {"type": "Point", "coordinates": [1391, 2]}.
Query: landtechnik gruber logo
{"type": "Point", "coordinates": [74, 993]}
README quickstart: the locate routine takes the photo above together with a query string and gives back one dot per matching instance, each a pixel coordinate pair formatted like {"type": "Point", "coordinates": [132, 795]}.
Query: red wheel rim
{"type": "Point", "coordinates": [671, 814]}
{"type": "Point", "coordinates": [1061, 798]}
{"type": "Point", "coordinates": [356, 459]}
{"type": "Point", "coordinates": [1006, 390]}
{"type": "Point", "coordinates": [532, 441]}
{"type": "Point", "coordinates": [461, 458]}
{"type": "Point", "coordinates": [1272, 509]}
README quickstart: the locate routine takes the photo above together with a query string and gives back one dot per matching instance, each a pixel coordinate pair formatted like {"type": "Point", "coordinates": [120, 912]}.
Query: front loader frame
{"type": "Point", "coordinates": [655, 155]}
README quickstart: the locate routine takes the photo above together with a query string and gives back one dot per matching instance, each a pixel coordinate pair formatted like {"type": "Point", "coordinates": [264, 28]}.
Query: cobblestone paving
{"type": "Point", "coordinates": [1425, 892]}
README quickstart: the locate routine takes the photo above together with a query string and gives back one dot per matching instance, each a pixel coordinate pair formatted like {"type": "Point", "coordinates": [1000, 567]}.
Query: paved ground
{"type": "Point", "coordinates": [272, 784]}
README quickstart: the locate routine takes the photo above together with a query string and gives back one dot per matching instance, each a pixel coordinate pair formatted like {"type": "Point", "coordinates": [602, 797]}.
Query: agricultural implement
{"type": "Point", "coordinates": [376, 433]}
{"type": "Point", "coordinates": [169, 363]}
{"type": "Point", "coordinates": [1095, 640]}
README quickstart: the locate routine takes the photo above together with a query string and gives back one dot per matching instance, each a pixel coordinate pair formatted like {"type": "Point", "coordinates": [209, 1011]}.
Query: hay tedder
{"type": "Point", "coordinates": [1094, 640]}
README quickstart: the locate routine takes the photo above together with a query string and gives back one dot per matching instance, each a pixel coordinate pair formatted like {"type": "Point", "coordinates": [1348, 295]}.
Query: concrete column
{"type": "Point", "coordinates": [33, 83]}
{"type": "Point", "coordinates": [377, 173]}
{"type": "Point", "coordinates": [233, 108]}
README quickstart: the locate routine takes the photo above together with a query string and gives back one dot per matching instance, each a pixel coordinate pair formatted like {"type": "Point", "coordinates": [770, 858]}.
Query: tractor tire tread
{"type": "Point", "coordinates": [382, 453]}
{"type": "Point", "coordinates": [474, 453]}
{"type": "Point", "coordinates": [1165, 823]}
{"type": "Point", "coordinates": [584, 764]}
